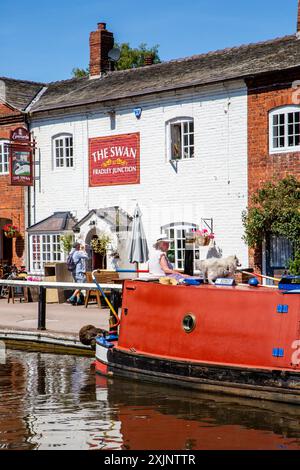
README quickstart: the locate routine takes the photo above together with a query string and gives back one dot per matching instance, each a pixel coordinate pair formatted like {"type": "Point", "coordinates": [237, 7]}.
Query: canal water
{"type": "Point", "coordinates": [52, 401]}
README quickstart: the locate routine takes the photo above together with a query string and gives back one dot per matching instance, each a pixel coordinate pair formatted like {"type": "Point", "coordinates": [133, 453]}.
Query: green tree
{"type": "Point", "coordinates": [67, 242]}
{"type": "Point", "coordinates": [130, 58]}
{"type": "Point", "coordinates": [294, 265]}
{"type": "Point", "coordinates": [78, 73]}
{"type": "Point", "coordinates": [275, 209]}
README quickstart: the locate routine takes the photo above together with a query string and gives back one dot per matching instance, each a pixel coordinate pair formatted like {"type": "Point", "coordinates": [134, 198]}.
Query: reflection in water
{"type": "Point", "coordinates": [54, 401]}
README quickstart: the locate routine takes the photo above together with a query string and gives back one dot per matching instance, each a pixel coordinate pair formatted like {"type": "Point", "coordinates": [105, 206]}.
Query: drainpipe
{"type": "Point", "coordinates": [28, 221]}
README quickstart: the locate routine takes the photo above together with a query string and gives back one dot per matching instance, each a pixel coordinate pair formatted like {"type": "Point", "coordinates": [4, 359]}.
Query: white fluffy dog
{"type": "Point", "coordinates": [212, 268]}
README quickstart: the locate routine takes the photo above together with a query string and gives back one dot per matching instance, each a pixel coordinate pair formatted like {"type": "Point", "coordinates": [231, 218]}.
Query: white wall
{"type": "Point", "coordinates": [212, 185]}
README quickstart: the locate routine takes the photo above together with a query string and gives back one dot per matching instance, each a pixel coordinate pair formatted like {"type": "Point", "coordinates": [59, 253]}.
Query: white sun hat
{"type": "Point", "coordinates": [163, 238]}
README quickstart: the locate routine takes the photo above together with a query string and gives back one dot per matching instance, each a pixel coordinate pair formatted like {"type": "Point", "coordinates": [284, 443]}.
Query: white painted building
{"type": "Point", "coordinates": [192, 135]}
{"type": "Point", "coordinates": [211, 183]}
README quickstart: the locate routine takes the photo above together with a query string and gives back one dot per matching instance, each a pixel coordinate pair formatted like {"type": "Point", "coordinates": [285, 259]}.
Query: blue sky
{"type": "Point", "coordinates": [43, 41]}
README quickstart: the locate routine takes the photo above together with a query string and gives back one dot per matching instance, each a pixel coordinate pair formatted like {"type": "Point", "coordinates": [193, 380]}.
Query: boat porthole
{"type": "Point", "coordinates": [189, 323]}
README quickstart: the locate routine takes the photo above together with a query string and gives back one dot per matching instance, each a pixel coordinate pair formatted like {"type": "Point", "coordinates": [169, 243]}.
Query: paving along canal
{"type": "Point", "coordinates": [52, 401]}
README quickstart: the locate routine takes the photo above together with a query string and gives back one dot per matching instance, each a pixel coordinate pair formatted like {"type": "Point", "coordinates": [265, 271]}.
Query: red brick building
{"type": "Point", "coordinates": [15, 97]}
{"type": "Point", "coordinates": [273, 148]}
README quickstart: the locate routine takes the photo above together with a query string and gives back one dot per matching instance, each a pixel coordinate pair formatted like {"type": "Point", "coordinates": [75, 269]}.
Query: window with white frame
{"type": "Point", "coordinates": [180, 139]}
{"type": "Point", "coordinates": [284, 125]}
{"type": "Point", "coordinates": [45, 248]}
{"type": "Point", "coordinates": [4, 157]}
{"type": "Point", "coordinates": [176, 233]}
{"type": "Point", "coordinates": [63, 151]}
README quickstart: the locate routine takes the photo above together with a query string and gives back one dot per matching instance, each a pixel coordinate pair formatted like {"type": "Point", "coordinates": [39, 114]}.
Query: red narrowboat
{"type": "Point", "coordinates": [236, 340]}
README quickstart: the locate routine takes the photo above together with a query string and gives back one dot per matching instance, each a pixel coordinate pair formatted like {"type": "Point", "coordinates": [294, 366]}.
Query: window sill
{"type": "Point", "coordinates": [285, 151]}
{"type": "Point", "coordinates": [181, 160]}
{"type": "Point", "coordinates": [62, 168]}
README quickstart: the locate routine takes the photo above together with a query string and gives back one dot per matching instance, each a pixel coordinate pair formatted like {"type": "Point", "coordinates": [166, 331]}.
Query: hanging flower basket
{"type": "Point", "coordinates": [203, 237]}
{"type": "Point", "coordinates": [11, 231]}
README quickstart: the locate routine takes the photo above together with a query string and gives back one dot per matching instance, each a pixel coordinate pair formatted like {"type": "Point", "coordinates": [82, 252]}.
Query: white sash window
{"type": "Point", "coordinates": [45, 248]}
{"type": "Point", "coordinates": [4, 157]}
{"type": "Point", "coordinates": [284, 124]}
{"type": "Point", "coordinates": [176, 233]}
{"type": "Point", "coordinates": [63, 151]}
{"type": "Point", "coordinates": [180, 139]}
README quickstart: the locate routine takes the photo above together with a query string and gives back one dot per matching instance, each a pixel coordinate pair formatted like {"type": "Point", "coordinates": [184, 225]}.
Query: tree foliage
{"type": "Point", "coordinates": [294, 265]}
{"type": "Point", "coordinates": [275, 209]}
{"type": "Point", "coordinates": [135, 57]}
{"type": "Point", "coordinates": [130, 58]}
{"type": "Point", "coordinates": [78, 73]}
{"type": "Point", "coordinates": [67, 242]}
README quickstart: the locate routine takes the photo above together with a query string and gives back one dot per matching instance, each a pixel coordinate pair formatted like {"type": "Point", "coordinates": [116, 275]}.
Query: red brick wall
{"type": "Point", "coordinates": [12, 205]}
{"type": "Point", "coordinates": [263, 96]}
{"type": "Point", "coordinates": [5, 110]}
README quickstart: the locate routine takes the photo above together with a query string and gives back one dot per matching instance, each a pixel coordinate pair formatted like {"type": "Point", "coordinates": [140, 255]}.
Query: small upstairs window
{"type": "Point", "coordinates": [63, 151]}
{"type": "Point", "coordinates": [4, 157]}
{"type": "Point", "coordinates": [180, 139]}
{"type": "Point", "coordinates": [285, 129]}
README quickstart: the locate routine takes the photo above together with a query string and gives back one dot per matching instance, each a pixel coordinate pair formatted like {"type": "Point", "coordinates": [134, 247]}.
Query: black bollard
{"type": "Point", "coordinates": [42, 309]}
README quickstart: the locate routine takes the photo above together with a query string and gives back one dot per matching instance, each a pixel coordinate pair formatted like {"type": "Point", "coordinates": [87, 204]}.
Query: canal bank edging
{"type": "Point", "coordinates": [42, 285]}
{"type": "Point", "coordinates": [45, 342]}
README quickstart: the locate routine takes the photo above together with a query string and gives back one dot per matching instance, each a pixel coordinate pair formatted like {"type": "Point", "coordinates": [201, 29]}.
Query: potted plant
{"type": "Point", "coordinates": [203, 237]}
{"type": "Point", "coordinates": [11, 231]}
{"type": "Point", "coordinates": [100, 244]}
{"type": "Point", "coordinates": [67, 242]}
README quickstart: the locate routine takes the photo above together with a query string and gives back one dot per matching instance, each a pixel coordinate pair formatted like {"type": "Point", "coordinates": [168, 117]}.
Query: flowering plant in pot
{"type": "Point", "coordinates": [100, 245]}
{"type": "Point", "coordinates": [11, 231]}
{"type": "Point", "coordinates": [203, 237]}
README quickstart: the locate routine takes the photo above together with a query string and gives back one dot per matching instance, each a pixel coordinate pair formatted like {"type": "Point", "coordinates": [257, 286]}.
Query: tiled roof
{"type": "Point", "coordinates": [117, 218]}
{"type": "Point", "coordinates": [232, 63]}
{"type": "Point", "coordinates": [18, 93]}
{"type": "Point", "coordinates": [57, 222]}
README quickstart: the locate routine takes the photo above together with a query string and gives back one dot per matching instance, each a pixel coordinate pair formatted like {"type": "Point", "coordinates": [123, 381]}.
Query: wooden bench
{"type": "Point", "coordinates": [104, 277]}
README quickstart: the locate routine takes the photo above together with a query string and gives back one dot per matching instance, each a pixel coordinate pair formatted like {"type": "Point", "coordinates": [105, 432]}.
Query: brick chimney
{"type": "Point", "coordinates": [101, 42]}
{"type": "Point", "coordinates": [298, 19]}
{"type": "Point", "coordinates": [149, 59]}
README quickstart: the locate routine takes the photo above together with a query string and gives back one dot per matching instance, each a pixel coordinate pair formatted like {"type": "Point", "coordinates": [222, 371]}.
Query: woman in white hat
{"type": "Point", "coordinates": [159, 265]}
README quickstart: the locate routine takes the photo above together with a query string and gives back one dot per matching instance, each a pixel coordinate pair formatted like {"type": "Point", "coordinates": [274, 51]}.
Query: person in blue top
{"type": "Point", "coordinates": [79, 256]}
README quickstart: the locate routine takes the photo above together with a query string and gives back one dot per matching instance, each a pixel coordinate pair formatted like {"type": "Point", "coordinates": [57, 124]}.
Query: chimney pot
{"type": "Point", "coordinates": [298, 18]}
{"type": "Point", "coordinates": [149, 59]}
{"type": "Point", "coordinates": [101, 26]}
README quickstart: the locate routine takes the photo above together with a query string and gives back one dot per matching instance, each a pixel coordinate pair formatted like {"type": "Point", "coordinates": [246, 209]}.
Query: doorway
{"type": "Point", "coordinates": [279, 251]}
{"type": "Point", "coordinates": [6, 244]}
{"type": "Point", "coordinates": [96, 260]}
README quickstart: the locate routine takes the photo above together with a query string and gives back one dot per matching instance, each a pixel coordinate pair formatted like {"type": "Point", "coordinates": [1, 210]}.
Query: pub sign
{"type": "Point", "coordinates": [114, 160]}
{"type": "Point", "coordinates": [21, 158]}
